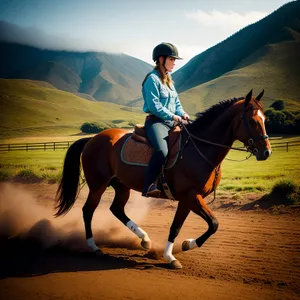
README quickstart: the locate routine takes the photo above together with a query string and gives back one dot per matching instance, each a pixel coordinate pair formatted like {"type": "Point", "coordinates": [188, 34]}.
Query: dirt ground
{"type": "Point", "coordinates": [255, 254]}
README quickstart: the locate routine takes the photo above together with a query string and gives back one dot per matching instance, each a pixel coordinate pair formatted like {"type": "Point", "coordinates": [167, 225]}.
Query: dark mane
{"type": "Point", "coordinates": [204, 119]}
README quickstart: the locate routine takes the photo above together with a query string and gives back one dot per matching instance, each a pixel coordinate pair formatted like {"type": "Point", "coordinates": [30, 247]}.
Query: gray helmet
{"type": "Point", "coordinates": [165, 49]}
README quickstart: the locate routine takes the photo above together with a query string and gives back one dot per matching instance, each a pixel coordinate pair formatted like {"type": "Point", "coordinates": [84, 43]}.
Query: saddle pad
{"type": "Point", "coordinates": [139, 154]}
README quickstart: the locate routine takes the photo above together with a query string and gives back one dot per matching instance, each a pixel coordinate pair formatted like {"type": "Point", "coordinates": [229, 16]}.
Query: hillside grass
{"type": "Point", "coordinates": [31, 108]}
{"type": "Point", "coordinates": [237, 177]}
{"type": "Point", "coordinates": [274, 68]}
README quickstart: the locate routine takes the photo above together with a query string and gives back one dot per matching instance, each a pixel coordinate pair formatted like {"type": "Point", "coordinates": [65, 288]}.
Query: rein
{"type": "Point", "coordinates": [192, 138]}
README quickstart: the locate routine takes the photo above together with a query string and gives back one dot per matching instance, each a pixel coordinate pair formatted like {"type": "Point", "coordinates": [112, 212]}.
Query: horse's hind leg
{"type": "Point", "coordinates": [88, 211]}
{"type": "Point", "coordinates": [200, 208]}
{"type": "Point", "coordinates": [122, 193]}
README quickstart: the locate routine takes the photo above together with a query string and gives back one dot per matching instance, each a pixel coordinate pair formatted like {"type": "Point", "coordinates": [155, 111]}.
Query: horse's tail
{"type": "Point", "coordinates": [68, 188]}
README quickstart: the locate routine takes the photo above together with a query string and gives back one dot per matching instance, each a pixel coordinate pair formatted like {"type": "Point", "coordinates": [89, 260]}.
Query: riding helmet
{"type": "Point", "coordinates": [165, 49]}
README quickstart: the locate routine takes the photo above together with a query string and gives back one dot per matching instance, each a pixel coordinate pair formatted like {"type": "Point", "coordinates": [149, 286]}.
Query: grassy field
{"type": "Point", "coordinates": [34, 108]}
{"type": "Point", "coordinates": [260, 176]}
{"type": "Point", "coordinates": [238, 177]}
{"type": "Point", "coordinates": [34, 111]}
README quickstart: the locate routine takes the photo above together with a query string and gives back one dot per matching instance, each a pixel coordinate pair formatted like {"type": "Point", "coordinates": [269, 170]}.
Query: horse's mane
{"type": "Point", "coordinates": [204, 119]}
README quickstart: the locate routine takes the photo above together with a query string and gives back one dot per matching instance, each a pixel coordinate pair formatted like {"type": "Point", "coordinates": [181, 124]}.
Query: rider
{"type": "Point", "coordinates": [163, 106]}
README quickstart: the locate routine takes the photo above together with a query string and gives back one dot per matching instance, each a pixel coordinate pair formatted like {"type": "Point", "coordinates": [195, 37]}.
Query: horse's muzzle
{"type": "Point", "coordinates": [262, 155]}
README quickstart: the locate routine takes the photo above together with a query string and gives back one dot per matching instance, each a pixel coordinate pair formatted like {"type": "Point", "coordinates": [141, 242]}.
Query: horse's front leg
{"type": "Point", "coordinates": [181, 214]}
{"type": "Point", "coordinates": [122, 193]}
{"type": "Point", "coordinates": [199, 207]}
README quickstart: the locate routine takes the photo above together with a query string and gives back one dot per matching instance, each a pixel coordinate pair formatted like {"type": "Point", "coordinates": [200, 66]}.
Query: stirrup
{"type": "Point", "coordinates": [153, 191]}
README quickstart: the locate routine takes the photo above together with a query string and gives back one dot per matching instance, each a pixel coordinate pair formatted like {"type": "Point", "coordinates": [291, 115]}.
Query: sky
{"type": "Point", "coordinates": [135, 27]}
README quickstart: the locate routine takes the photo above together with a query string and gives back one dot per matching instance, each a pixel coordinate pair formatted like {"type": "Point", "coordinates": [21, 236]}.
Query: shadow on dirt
{"type": "Point", "coordinates": [27, 258]}
{"type": "Point", "coordinates": [267, 202]}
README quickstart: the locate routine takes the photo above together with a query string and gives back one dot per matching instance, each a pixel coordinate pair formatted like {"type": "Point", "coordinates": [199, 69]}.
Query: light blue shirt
{"type": "Point", "coordinates": [159, 99]}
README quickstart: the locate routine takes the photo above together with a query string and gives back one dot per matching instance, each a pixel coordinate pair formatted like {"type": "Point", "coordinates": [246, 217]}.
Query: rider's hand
{"type": "Point", "coordinates": [177, 118]}
{"type": "Point", "coordinates": [186, 116]}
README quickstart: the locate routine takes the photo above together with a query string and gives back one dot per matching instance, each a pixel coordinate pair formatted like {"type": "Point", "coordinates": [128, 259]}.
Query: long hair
{"type": "Point", "coordinates": [164, 77]}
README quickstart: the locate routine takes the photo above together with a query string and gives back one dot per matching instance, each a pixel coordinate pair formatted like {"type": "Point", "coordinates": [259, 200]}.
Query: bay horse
{"type": "Point", "coordinates": [204, 144]}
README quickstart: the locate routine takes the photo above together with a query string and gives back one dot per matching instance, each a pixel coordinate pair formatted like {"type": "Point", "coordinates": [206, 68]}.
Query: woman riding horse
{"type": "Point", "coordinates": [205, 143]}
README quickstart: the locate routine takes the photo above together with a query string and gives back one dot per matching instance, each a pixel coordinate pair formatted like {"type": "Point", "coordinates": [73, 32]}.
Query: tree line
{"type": "Point", "coordinates": [281, 120]}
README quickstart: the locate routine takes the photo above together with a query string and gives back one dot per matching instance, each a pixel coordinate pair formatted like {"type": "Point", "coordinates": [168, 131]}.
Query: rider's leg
{"type": "Point", "coordinates": [157, 133]}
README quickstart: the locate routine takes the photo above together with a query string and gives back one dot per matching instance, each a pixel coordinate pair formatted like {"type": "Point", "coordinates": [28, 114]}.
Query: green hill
{"type": "Point", "coordinates": [269, 69]}
{"type": "Point", "coordinates": [37, 108]}
{"type": "Point", "coordinates": [280, 26]}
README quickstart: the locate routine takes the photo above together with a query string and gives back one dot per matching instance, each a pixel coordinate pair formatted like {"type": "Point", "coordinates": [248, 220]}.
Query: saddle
{"type": "Point", "coordinates": [138, 151]}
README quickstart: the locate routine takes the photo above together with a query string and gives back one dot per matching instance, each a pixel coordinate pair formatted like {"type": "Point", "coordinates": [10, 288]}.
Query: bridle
{"type": "Point", "coordinates": [249, 147]}
{"type": "Point", "coordinates": [251, 138]}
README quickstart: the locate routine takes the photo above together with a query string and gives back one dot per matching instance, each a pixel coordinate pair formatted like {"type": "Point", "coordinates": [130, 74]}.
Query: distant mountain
{"type": "Point", "coordinates": [264, 55]}
{"type": "Point", "coordinates": [105, 77]}
{"type": "Point", "coordinates": [280, 26]}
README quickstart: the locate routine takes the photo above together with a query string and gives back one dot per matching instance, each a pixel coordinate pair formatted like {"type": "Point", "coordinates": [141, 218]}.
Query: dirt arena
{"type": "Point", "coordinates": [255, 254]}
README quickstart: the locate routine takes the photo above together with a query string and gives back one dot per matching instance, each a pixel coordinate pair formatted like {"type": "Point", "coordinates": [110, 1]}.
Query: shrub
{"type": "Point", "coordinates": [288, 126]}
{"type": "Point", "coordinates": [297, 124]}
{"type": "Point", "coordinates": [28, 175]}
{"type": "Point", "coordinates": [282, 121]}
{"type": "Point", "coordinates": [118, 121]}
{"type": "Point", "coordinates": [275, 120]}
{"type": "Point", "coordinates": [4, 175]}
{"type": "Point", "coordinates": [287, 190]}
{"type": "Point", "coordinates": [91, 127]}
{"type": "Point", "coordinates": [289, 115]}
{"type": "Point", "coordinates": [132, 123]}
{"type": "Point", "coordinates": [278, 105]}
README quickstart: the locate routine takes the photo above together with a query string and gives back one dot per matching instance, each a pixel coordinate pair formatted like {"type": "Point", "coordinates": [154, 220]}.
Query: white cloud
{"type": "Point", "coordinates": [228, 19]}
{"type": "Point", "coordinates": [187, 52]}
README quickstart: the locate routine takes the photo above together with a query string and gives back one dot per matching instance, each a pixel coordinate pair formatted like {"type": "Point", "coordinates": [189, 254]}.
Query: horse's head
{"type": "Point", "coordinates": [251, 129]}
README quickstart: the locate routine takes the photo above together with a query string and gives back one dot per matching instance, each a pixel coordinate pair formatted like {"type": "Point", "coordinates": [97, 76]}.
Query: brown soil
{"type": "Point", "coordinates": [255, 254]}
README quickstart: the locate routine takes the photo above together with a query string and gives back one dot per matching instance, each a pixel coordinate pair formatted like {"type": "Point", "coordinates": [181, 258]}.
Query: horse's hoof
{"type": "Point", "coordinates": [99, 253]}
{"type": "Point", "coordinates": [146, 245]}
{"type": "Point", "coordinates": [175, 264]}
{"type": "Point", "coordinates": [185, 246]}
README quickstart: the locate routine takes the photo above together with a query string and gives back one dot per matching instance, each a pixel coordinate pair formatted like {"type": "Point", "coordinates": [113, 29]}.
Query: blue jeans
{"type": "Point", "coordinates": [157, 132]}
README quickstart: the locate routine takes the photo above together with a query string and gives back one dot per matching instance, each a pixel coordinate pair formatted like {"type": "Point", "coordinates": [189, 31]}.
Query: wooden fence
{"type": "Point", "coordinates": [285, 146]}
{"type": "Point", "coordinates": [36, 146]}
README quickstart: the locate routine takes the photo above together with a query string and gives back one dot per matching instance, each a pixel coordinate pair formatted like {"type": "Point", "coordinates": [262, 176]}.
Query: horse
{"type": "Point", "coordinates": [204, 144]}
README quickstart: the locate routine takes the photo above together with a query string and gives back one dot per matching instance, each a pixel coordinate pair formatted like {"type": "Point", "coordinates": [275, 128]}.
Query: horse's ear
{"type": "Point", "coordinates": [260, 95]}
{"type": "Point", "coordinates": [248, 98]}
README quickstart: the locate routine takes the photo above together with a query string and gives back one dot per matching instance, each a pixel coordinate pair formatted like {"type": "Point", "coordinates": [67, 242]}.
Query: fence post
{"type": "Point", "coordinates": [287, 146]}
{"type": "Point", "coordinates": [44, 146]}
{"type": "Point", "coordinates": [26, 147]}
{"type": "Point", "coordinates": [8, 146]}
{"type": "Point", "coordinates": [54, 146]}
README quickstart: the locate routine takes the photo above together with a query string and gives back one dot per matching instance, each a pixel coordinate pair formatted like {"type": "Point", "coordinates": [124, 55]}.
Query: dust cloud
{"type": "Point", "coordinates": [23, 216]}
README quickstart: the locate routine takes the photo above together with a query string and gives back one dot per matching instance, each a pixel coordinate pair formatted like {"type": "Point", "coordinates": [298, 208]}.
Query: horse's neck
{"type": "Point", "coordinates": [220, 132]}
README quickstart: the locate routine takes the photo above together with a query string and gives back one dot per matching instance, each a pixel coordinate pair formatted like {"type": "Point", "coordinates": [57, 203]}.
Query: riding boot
{"type": "Point", "coordinates": [152, 172]}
